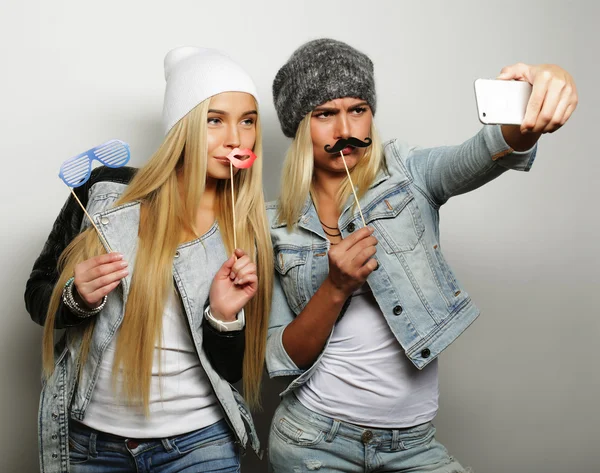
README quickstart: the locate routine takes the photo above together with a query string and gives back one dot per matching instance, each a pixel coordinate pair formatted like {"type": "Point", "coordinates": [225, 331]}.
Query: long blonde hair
{"type": "Point", "coordinates": [165, 217]}
{"type": "Point", "coordinates": [298, 168]}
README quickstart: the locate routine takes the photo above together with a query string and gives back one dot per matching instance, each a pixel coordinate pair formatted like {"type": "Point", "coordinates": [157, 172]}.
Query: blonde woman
{"type": "Point", "coordinates": [360, 315]}
{"type": "Point", "coordinates": [158, 329]}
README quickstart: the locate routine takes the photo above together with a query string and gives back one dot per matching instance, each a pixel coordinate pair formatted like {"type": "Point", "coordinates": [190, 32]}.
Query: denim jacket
{"type": "Point", "coordinates": [422, 301]}
{"type": "Point", "coordinates": [194, 265]}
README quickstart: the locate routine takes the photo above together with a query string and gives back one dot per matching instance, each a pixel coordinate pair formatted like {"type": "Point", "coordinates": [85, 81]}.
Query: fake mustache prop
{"type": "Point", "coordinates": [337, 148]}
{"type": "Point", "coordinates": [343, 143]}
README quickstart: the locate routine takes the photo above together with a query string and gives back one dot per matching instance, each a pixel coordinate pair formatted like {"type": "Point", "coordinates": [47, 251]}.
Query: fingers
{"type": "Point", "coordinates": [97, 276]}
{"type": "Point", "coordinates": [95, 298]}
{"type": "Point", "coordinates": [553, 97]}
{"type": "Point", "coordinates": [551, 102]}
{"type": "Point", "coordinates": [359, 248]}
{"type": "Point", "coordinates": [241, 263]}
{"type": "Point", "coordinates": [516, 71]}
{"type": "Point", "coordinates": [244, 273]}
{"type": "Point", "coordinates": [370, 266]}
{"type": "Point", "coordinates": [250, 280]}
{"type": "Point", "coordinates": [562, 112]}
{"type": "Point", "coordinates": [534, 106]}
{"type": "Point", "coordinates": [100, 260]}
{"type": "Point", "coordinates": [353, 239]}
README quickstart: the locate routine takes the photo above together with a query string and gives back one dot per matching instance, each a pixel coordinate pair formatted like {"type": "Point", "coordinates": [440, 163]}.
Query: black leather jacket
{"type": "Point", "coordinates": [224, 350]}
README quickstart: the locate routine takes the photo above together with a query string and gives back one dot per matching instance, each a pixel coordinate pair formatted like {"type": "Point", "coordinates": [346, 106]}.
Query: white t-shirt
{"type": "Point", "coordinates": [365, 378]}
{"type": "Point", "coordinates": [181, 397]}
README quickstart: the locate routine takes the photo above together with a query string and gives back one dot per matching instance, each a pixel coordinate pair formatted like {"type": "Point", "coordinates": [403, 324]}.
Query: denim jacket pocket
{"type": "Point", "coordinates": [397, 220]}
{"type": "Point", "coordinates": [290, 263]}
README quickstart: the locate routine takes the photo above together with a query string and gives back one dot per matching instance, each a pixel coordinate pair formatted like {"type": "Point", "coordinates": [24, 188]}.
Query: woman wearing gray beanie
{"type": "Point", "coordinates": [155, 333]}
{"type": "Point", "coordinates": [360, 314]}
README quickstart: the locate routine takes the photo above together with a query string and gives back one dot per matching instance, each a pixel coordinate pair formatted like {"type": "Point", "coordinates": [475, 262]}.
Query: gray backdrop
{"type": "Point", "coordinates": [519, 389]}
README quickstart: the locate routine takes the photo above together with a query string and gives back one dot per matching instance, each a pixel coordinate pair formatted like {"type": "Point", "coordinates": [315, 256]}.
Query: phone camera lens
{"type": "Point", "coordinates": [483, 114]}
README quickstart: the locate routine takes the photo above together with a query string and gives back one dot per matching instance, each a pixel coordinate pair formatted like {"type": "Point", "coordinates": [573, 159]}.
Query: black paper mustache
{"type": "Point", "coordinates": [342, 143]}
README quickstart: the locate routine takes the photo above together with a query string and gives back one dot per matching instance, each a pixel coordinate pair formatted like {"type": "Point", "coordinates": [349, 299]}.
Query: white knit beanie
{"type": "Point", "coordinates": [195, 74]}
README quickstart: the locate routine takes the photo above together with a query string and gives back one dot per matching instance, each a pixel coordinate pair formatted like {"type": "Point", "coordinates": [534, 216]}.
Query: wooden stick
{"type": "Point", "coordinates": [91, 221]}
{"type": "Point", "coordinates": [353, 191]}
{"type": "Point", "coordinates": [233, 205]}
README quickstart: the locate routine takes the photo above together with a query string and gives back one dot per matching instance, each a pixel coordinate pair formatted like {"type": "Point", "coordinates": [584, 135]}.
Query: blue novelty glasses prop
{"type": "Point", "coordinates": [76, 171]}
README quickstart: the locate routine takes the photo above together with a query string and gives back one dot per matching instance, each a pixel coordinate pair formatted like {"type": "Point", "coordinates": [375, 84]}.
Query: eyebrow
{"type": "Point", "coordinates": [223, 112]}
{"type": "Point", "coordinates": [335, 109]}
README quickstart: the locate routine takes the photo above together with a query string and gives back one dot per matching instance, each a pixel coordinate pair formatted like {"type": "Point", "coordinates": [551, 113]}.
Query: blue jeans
{"type": "Point", "coordinates": [302, 440]}
{"type": "Point", "coordinates": [209, 449]}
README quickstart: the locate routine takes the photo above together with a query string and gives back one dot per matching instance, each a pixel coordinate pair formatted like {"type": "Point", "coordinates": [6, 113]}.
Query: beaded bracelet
{"type": "Point", "coordinates": [69, 300]}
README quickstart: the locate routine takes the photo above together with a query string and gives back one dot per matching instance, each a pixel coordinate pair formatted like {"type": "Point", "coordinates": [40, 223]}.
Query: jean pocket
{"type": "Point", "coordinates": [297, 433]}
{"type": "Point", "coordinates": [77, 452]}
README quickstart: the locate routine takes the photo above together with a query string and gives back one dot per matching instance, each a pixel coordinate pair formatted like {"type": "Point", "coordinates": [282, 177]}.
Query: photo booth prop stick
{"type": "Point", "coordinates": [76, 171]}
{"type": "Point", "coordinates": [241, 159]}
{"type": "Point", "coordinates": [339, 147]}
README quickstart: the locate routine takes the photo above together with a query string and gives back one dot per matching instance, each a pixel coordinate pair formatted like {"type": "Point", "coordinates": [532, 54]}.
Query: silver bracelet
{"type": "Point", "coordinates": [69, 300]}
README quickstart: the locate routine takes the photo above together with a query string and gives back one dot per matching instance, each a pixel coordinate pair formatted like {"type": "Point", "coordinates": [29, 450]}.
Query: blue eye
{"type": "Point", "coordinates": [213, 120]}
{"type": "Point", "coordinates": [248, 121]}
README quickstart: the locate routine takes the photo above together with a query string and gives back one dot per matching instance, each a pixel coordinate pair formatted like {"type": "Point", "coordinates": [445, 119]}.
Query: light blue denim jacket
{"type": "Point", "coordinates": [194, 266]}
{"type": "Point", "coordinates": [423, 302]}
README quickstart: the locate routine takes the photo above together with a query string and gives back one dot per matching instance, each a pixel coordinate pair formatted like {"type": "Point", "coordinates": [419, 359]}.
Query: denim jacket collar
{"type": "Point", "coordinates": [309, 218]}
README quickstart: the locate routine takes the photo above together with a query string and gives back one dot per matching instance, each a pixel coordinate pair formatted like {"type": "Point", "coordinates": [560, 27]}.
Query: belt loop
{"type": "Point", "coordinates": [396, 442]}
{"type": "Point", "coordinates": [92, 444]}
{"type": "Point", "coordinates": [167, 445]}
{"type": "Point", "coordinates": [333, 431]}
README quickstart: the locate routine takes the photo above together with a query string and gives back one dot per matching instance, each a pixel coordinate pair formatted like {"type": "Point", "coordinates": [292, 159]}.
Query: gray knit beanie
{"type": "Point", "coordinates": [319, 71]}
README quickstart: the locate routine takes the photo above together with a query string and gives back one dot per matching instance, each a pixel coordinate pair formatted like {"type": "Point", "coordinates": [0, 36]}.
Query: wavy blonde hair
{"type": "Point", "coordinates": [167, 217]}
{"type": "Point", "coordinates": [298, 169]}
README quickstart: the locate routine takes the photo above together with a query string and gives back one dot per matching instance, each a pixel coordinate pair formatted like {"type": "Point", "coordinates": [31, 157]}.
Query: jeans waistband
{"type": "Point", "coordinates": [334, 427]}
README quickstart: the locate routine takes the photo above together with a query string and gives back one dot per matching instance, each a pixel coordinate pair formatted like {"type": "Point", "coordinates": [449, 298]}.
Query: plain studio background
{"type": "Point", "coordinates": [519, 390]}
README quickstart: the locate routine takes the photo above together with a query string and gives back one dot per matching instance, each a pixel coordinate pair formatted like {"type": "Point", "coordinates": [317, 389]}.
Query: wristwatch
{"type": "Point", "coordinates": [222, 326]}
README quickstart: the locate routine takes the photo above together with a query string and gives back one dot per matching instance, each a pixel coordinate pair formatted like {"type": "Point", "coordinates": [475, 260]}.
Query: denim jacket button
{"type": "Point", "coordinates": [54, 455]}
{"type": "Point", "coordinates": [177, 254]}
{"type": "Point", "coordinates": [425, 353]}
{"type": "Point", "coordinates": [398, 310]}
{"type": "Point", "coordinates": [351, 227]}
{"type": "Point", "coordinates": [54, 437]}
{"type": "Point", "coordinates": [104, 220]}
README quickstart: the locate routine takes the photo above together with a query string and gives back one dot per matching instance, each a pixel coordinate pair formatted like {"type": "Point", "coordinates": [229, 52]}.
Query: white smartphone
{"type": "Point", "coordinates": [501, 102]}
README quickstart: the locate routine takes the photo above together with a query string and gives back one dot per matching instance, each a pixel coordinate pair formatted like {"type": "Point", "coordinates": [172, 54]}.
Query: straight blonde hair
{"type": "Point", "coordinates": [298, 170]}
{"type": "Point", "coordinates": [167, 217]}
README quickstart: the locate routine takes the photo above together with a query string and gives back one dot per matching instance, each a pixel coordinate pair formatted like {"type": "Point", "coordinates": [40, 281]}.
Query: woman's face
{"type": "Point", "coordinates": [340, 118]}
{"type": "Point", "coordinates": [231, 123]}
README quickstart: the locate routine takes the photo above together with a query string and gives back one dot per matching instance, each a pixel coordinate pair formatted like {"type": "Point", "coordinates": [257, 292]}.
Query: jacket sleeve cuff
{"type": "Point", "coordinates": [279, 362]}
{"type": "Point", "coordinates": [503, 154]}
